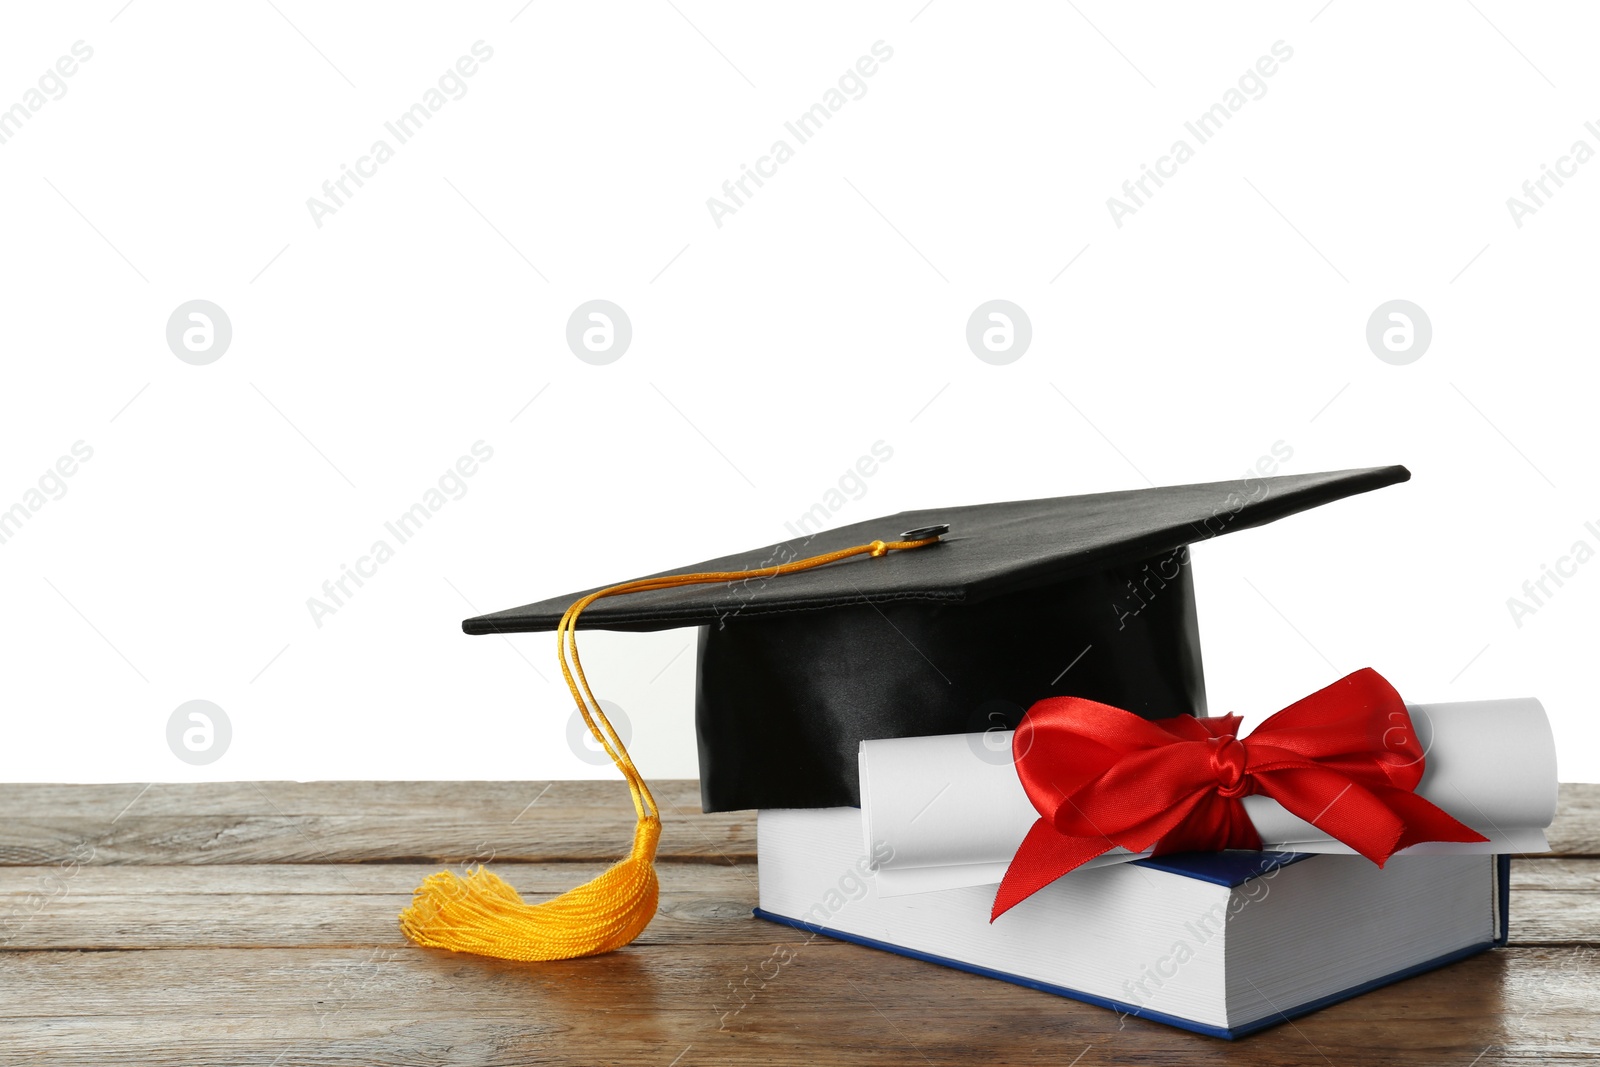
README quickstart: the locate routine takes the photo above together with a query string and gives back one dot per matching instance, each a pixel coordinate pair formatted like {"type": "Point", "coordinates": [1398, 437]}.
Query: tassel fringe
{"type": "Point", "coordinates": [482, 914]}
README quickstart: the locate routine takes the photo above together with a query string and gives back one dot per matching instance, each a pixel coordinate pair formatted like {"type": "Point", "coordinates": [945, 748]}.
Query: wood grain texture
{"type": "Point", "coordinates": [1576, 831]}
{"type": "Point", "coordinates": [284, 905]}
{"type": "Point", "coordinates": [832, 1003]}
{"type": "Point", "coordinates": [254, 923]}
{"type": "Point", "coordinates": [354, 822]}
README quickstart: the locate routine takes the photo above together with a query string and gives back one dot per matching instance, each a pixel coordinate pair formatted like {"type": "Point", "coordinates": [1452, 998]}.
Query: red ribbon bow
{"type": "Point", "coordinates": [1345, 759]}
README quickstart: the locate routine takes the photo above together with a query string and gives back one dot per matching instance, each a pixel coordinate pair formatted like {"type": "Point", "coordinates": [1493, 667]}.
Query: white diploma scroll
{"type": "Point", "coordinates": [949, 810]}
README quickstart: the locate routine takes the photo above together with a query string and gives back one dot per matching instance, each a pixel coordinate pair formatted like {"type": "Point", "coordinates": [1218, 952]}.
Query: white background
{"type": "Point", "coordinates": [828, 313]}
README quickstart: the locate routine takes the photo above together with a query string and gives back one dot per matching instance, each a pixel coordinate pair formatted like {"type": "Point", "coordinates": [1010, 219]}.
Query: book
{"type": "Point", "coordinates": [1219, 943]}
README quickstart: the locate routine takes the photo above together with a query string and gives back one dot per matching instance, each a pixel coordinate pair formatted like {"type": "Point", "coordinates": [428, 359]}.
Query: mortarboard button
{"type": "Point", "coordinates": [922, 533]}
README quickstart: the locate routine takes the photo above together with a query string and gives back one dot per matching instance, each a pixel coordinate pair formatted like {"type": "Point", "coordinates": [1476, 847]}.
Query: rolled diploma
{"type": "Point", "coordinates": [952, 812]}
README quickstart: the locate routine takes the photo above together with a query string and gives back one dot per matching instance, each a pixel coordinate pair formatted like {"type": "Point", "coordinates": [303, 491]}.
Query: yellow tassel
{"type": "Point", "coordinates": [482, 914]}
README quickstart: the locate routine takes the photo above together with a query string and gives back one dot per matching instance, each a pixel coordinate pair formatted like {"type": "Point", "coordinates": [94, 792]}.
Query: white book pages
{"type": "Point", "coordinates": [949, 811]}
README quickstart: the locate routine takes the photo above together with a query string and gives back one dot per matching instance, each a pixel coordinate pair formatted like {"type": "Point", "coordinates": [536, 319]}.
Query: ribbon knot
{"type": "Point", "coordinates": [1344, 759]}
{"type": "Point", "coordinates": [1228, 761]}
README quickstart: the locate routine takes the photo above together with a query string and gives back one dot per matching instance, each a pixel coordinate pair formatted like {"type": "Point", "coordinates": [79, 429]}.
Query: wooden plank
{"type": "Point", "coordinates": [445, 822]}
{"type": "Point", "coordinates": [354, 822]}
{"type": "Point", "coordinates": [1554, 872]}
{"type": "Point", "coordinates": [496, 801]}
{"type": "Point", "coordinates": [1556, 902]}
{"type": "Point", "coordinates": [366, 879]}
{"type": "Point", "coordinates": [829, 1003]}
{"type": "Point", "coordinates": [287, 906]}
{"type": "Point", "coordinates": [1527, 874]}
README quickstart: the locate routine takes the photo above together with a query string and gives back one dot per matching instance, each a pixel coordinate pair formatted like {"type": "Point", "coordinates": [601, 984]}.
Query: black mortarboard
{"type": "Point", "coordinates": [1082, 595]}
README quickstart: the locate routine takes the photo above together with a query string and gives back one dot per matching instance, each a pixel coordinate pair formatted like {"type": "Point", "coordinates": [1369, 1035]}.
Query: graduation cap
{"type": "Point", "coordinates": [926, 622]}
{"type": "Point", "coordinates": [1089, 596]}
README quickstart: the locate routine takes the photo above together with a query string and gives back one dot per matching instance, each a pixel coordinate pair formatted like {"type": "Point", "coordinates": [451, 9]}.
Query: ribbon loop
{"type": "Point", "coordinates": [1345, 759]}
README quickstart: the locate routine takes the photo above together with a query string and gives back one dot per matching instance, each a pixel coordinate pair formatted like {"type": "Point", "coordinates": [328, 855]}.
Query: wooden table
{"type": "Point", "coordinates": [254, 923]}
